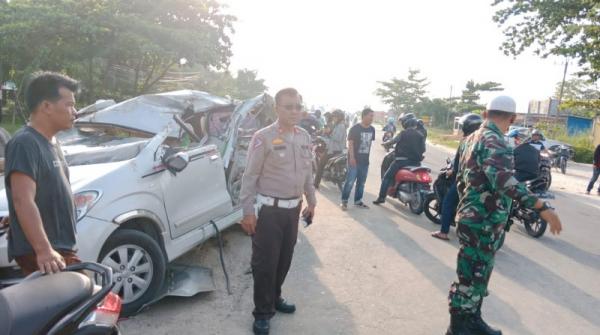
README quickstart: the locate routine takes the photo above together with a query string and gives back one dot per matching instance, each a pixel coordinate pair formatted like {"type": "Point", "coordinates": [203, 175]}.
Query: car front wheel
{"type": "Point", "coordinates": [139, 267]}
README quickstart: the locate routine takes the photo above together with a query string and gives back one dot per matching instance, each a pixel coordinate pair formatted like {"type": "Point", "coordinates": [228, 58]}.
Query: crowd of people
{"type": "Point", "coordinates": [278, 177]}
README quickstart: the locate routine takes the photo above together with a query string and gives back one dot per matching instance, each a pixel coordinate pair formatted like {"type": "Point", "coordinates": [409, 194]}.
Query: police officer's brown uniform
{"type": "Point", "coordinates": [278, 172]}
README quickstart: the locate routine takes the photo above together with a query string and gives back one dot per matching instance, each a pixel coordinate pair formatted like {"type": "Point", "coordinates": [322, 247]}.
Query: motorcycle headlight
{"type": "Point", "coordinates": [84, 201]}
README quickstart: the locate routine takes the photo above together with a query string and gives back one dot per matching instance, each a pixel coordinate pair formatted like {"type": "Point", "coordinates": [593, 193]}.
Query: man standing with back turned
{"type": "Point", "coordinates": [279, 171]}
{"type": "Point", "coordinates": [40, 202]}
{"type": "Point", "coordinates": [487, 188]}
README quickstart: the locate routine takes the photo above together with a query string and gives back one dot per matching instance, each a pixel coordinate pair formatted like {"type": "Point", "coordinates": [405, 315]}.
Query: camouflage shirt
{"type": "Point", "coordinates": [485, 180]}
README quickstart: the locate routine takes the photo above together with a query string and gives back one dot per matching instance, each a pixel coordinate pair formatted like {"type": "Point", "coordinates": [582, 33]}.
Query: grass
{"type": "Point", "coordinates": [442, 137]}
{"type": "Point", "coordinates": [11, 128]}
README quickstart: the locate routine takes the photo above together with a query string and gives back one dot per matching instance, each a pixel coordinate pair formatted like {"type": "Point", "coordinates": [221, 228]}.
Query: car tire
{"type": "Point", "coordinates": [134, 244]}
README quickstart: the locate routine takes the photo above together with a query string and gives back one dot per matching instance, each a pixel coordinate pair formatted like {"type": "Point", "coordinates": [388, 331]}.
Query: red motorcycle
{"type": "Point", "coordinates": [412, 183]}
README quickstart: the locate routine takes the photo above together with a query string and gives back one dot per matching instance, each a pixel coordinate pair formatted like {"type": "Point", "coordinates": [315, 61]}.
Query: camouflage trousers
{"type": "Point", "coordinates": [478, 245]}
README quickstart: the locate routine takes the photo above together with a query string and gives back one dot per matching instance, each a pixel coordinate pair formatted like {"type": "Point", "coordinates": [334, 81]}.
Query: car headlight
{"type": "Point", "coordinates": [84, 201]}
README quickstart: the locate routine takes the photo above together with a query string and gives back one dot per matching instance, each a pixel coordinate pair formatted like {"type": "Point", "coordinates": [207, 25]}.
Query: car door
{"type": "Point", "coordinates": [197, 194]}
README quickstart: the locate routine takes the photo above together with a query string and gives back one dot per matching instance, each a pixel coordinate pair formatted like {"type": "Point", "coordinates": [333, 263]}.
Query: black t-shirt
{"type": "Point", "coordinates": [527, 158]}
{"type": "Point", "coordinates": [410, 145]}
{"type": "Point", "coordinates": [30, 153]}
{"type": "Point", "coordinates": [361, 138]}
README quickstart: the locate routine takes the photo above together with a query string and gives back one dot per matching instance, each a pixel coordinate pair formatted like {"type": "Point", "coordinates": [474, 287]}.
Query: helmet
{"type": "Point", "coordinates": [514, 133]}
{"type": "Point", "coordinates": [469, 123]}
{"type": "Point", "coordinates": [502, 103]}
{"type": "Point", "coordinates": [405, 117]}
{"type": "Point", "coordinates": [537, 132]}
{"type": "Point", "coordinates": [410, 123]}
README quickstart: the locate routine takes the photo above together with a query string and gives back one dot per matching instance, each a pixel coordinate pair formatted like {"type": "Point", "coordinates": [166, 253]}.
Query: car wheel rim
{"type": "Point", "coordinates": [132, 271]}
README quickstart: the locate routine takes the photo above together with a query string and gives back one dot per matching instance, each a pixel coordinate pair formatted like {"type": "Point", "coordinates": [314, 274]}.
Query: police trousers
{"type": "Point", "coordinates": [272, 251]}
{"type": "Point", "coordinates": [478, 245]}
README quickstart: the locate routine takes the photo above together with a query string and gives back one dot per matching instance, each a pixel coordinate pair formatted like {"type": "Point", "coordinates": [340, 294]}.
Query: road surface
{"type": "Point", "coordinates": [378, 271]}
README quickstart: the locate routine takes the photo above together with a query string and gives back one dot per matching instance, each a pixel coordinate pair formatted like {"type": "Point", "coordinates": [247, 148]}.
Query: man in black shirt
{"type": "Point", "coordinates": [40, 202]}
{"type": "Point", "coordinates": [527, 162]}
{"type": "Point", "coordinates": [410, 146]}
{"type": "Point", "coordinates": [360, 138]}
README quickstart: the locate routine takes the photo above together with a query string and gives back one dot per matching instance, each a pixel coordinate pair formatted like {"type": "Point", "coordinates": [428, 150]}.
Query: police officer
{"type": "Point", "coordinates": [487, 188]}
{"type": "Point", "coordinates": [279, 171]}
{"type": "Point", "coordinates": [410, 146]}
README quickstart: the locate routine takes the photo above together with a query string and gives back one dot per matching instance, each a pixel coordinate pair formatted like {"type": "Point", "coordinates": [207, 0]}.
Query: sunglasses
{"type": "Point", "coordinates": [289, 108]}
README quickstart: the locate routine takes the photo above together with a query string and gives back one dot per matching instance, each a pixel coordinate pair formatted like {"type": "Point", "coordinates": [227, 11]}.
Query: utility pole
{"type": "Point", "coordinates": [562, 87]}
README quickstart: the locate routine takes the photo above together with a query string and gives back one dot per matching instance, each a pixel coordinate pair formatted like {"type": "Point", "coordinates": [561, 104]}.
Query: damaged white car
{"type": "Point", "coordinates": [150, 176]}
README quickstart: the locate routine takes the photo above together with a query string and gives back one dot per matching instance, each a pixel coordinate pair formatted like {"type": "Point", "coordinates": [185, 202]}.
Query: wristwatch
{"type": "Point", "coordinates": [545, 205]}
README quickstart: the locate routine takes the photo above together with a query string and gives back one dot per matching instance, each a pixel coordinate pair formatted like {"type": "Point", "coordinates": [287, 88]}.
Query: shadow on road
{"type": "Point", "coordinates": [220, 313]}
{"type": "Point", "coordinates": [548, 285]}
{"type": "Point", "coordinates": [438, 273]}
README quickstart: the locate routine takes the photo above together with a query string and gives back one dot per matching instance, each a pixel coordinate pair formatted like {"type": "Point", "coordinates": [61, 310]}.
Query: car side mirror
{"type": "Point", "coordinates": [177, 162]}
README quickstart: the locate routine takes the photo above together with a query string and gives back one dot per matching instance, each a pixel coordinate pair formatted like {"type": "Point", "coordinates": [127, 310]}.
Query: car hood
{"type": "Point", "coordinates": [152, 113]}
{"type": "Point", "coordinates": [79, 176]}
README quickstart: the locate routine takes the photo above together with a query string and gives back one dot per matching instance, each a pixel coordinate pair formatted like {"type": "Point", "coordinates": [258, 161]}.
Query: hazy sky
{"type": "Point", "coordinates": [335, 51]}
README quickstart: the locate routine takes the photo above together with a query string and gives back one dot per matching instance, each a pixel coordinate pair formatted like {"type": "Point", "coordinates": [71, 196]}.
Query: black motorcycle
{"type": "Point", "coordinates": [335, 169]}
{"type": "Point", "coordinates": [560, 154]}
{"type": "Point", "coordinates": [63, 303]}
{"type": "Point", "coordinates": [433, 201]}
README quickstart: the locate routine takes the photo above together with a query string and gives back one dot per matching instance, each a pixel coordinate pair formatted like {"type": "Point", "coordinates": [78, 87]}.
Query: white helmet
{"type": "Point", "coordinates": [503, 103]}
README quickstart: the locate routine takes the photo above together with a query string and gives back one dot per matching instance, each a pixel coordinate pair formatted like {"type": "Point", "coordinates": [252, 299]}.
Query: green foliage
{"type": "Point", "coordinates": [580, 97]}
{"type": "Point", "coordinates": [403, 95]}
{"type": "Point", "coordinates": [581, 143]}
{"type": "Point", "coordinates": [116, 48]}
{"type": "Point", "coordinates": [568, 28]}
{"type": "Point", "coordinates": [471, 95]}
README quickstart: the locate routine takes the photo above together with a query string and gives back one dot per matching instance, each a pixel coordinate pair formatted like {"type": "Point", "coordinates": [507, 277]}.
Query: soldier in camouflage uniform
{"type": "Point", "coordinates": [486, 188]}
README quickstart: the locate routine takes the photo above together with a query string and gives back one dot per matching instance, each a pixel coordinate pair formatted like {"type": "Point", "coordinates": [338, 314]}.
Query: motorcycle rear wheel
{"type": "Point", "coordinates": [432, 208]}
{"type": "Point", "coordinates": [416, 203]}
{"type": "Point", "coordinates": [535, 228]}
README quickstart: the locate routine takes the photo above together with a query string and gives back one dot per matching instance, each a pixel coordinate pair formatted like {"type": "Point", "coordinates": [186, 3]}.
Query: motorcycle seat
{"type": "Point", "coordinates": [30, 306]}
{"type": "Point", "coordinates": [417, 168]}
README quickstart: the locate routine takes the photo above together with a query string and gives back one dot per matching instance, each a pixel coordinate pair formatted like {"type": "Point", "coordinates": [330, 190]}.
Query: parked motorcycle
{"type": "Point", "coordinates": [432, 205]}
{"type": "Point", "coordinates": [559, 155]}
{"type": "Point", "coordinates": [411, 184]}
{"type": "Point", "coordinates": [63, 303]}
{"type": "Point", "coordinates": [335, 169]}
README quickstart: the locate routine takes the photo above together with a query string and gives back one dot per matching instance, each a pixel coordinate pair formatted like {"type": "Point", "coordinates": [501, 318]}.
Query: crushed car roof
{"type": "Point", "coordinates": [151, 113]}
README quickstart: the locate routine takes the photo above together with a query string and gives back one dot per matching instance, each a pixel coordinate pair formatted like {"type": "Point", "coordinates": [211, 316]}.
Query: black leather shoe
{"type": "Point", "coordinates": [379, 201]}
{"type": "Point", "coordinates": [478, 326]}
{"type": "Point", "coordinates": [283, 307]}
{"type": "Point", "coordinates": [261, 327]}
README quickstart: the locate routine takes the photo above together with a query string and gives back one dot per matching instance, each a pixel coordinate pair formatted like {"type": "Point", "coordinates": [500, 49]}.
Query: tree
{"type": "Point", "coordinates": [580, 97]}
{"type": "Point", "coordinates": [569, 28]}
{"type": "Point", "coordinates": [403, 95]}
{"type": "Point", "coordinates": [471, 95]}
{"type": "Point", "coordinates": [116, 48]}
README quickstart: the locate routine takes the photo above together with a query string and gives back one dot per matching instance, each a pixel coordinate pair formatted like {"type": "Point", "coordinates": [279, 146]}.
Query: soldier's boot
{"type": "Point", "coordinates": [459, 325]}
{"type": "Point", "coordinates": [479, 326]}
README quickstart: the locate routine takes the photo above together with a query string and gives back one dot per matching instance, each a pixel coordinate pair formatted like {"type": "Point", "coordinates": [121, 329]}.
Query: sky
{"type": "Point", "coordinates": [334, 52]}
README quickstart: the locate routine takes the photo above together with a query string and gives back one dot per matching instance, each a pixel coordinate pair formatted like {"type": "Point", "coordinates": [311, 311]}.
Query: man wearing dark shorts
{"type": "Point", "coordinates": [40, 202]}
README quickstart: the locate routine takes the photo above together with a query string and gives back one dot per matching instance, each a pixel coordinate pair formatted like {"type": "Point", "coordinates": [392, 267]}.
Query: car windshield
{"type": "Point", "coordinates": [97, 144]}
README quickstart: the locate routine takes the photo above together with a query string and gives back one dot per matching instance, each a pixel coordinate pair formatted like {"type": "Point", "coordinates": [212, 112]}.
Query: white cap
{"type": "Point", "coordinates": [503, 103]}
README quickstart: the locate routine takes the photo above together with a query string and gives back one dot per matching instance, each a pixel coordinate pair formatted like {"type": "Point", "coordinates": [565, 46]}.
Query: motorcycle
{"type": "Point", "coordinates": [67, 302]}
{"type": "Point", "coordinates": [411, 184]}
{"type": "Point", "coordinates": [335, 169]}
{"type": "Point", "coordinates": [544, 180]}
{"type": "Point", "coordinates": [432, 205]}
{"type": "Point", "coordinates": [559, 155]}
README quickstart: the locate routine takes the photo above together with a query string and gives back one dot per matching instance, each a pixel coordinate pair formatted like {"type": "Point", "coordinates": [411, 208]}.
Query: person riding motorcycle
{"type": "Point", "coordinates": [410, 146]}
{"type": "Point", "coordinates": [536, 140]}
{"type": "Point", "coordinates": [335, 145]}
{"type": "Point", "coordinates": [389, 127]}
{"type": "Point", "coordinates": [469, 123]}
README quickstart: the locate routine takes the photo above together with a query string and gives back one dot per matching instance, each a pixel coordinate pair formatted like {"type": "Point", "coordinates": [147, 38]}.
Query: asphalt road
{"type": "Point", "coordinates": [378, 271]}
